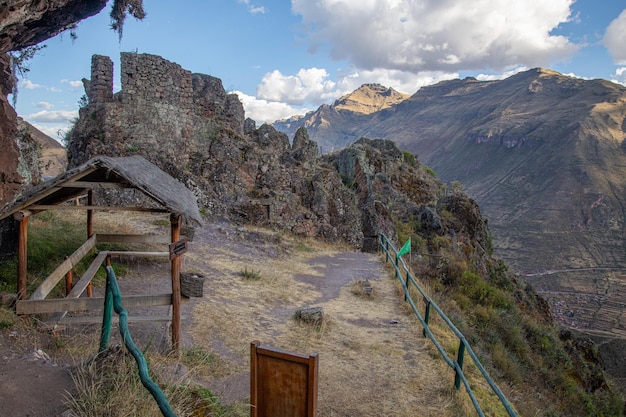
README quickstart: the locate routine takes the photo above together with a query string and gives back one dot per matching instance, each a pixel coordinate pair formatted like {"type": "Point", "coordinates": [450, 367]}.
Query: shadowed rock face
{"type": "Point", "coordinates": [22, 24]}
{"type": "Point", "coordinates": [10, 180]}
{"type": "Point", "coordinates": [27, 22]}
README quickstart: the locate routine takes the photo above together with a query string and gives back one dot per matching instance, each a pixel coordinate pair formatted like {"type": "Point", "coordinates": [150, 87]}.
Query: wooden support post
{"type": "Point", "coordinates": [90, 232]}
{"type": "Point", "coordinates": [22, 258]}
{"type": "Point", "coordinates": [68, 281]}
{"type": "Point", "coordinates": [175, 236]}
{"type": "Point", "coordinates": [89, 214]}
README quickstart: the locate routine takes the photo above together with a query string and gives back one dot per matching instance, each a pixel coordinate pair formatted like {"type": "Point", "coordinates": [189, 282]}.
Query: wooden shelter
{"type": "Point", "coordinates": [164, 195]}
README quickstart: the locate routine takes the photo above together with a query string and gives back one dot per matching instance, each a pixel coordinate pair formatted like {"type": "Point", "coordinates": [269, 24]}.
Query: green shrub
{"type": "Point", "coordinates": [409, 158]}
{"type": "Point", "coordinates": [250, 274]}
{"type": "Point", "coordinates": [429, 171]}
{"type": "Point", "coordinates": [481, 291]}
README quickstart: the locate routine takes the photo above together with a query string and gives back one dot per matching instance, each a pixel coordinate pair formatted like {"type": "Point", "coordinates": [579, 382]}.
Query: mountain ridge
{"type": "Point", "coordinates": [364, 101]}
{"type": "Point", "coordinates": [544, 156]}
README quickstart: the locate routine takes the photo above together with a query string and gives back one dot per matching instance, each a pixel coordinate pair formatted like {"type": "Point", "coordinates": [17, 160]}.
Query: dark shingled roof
{"type": "Point", "coordinates": [133, 171]}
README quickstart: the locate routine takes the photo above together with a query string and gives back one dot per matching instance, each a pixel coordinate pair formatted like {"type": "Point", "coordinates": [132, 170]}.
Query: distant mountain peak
{"type": "Point", "coordinates": [369, 98]}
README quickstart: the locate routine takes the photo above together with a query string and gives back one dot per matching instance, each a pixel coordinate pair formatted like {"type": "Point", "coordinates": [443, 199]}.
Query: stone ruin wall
{"type": "Point", "coordinates": [150, 79]}
{"type": "Point", "coordinates": [100, 87]}
{"type": "Point", "coordinates": [162, 110]}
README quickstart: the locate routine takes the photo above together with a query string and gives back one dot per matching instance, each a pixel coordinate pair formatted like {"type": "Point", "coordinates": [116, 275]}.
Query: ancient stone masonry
{"type": "Point", "coordinates": [150, 79]}
{"type": "Point", "coordinates": [156, 112]}
{"type": "Point", "coordinates": [100, 88]}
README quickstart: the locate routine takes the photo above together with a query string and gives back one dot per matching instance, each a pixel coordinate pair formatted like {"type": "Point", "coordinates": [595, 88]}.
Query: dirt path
{"type": "Point", "coordinates": [373, 361]}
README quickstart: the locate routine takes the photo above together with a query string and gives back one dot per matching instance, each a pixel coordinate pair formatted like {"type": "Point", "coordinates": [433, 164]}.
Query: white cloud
{"type": "Point", "coordinates": [29, 85]}
{"type": "Point", "coordinates": [620, 76]}
{"type": "Point", "coordinates": [57, 116]}
{"type": "Point", "coordinates": [435, 35]}
{"type": "Point", "coordinates": [311, 85]}
{"type": "Point", "coordinates": [614, 38]}
{"type": "Point", "coordinates": [253, 8]}
{"type": "Point", "coordinates": [45, 105]}
{"type": "Point", "coordinates": [500, 76]}
{"type": "Point", "coordinates": [262, 111]}
{"type": "Point", "coordinates": [55, 90]}
{"type": "Point", "coordinates": [73, 84]}
{"type": "Point", "coordinates": [402, 81]}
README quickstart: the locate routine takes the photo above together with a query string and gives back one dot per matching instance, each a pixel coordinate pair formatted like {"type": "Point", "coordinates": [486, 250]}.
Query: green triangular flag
{"type": "Point", "coordinates": [406, 248]}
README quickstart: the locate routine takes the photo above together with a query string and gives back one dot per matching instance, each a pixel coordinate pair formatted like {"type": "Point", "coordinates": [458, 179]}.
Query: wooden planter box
{"type": "Point", "coordinates": [191, 284]}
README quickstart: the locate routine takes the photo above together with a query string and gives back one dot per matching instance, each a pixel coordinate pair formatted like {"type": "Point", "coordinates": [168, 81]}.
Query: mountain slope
{"type": "Point", "coordinates": [334, 126]}
{"type": "Point", "coordinates": [540, 152]}
{"type": "Point", "coordinates": [52, 155]}
{"type": "Point", "coordinates": [543, 154]}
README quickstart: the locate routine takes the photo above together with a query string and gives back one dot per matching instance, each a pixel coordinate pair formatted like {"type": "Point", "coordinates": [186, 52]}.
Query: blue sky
{"type": "Point", "coordinates": [285, 58]}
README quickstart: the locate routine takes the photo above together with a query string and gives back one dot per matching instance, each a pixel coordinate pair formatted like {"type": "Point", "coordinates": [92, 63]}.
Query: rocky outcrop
{"type": "Point", "coordinates": [384, 183]}
{"type": "Point", "coordinates": [52, 156]}
{"type": "Point", "coordinates": [28, 22]}
{"type": "Point", "coordinates": [189, 126]}
{"type": "Point", "coordinates": [10, 180]}
{"type": "Point", "coordinates": [19, 159]}
{"type": "Point", "coordinates": [25, 23]}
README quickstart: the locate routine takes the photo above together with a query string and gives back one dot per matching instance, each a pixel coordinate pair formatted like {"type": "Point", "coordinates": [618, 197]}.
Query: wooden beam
{"type": "Point", "coordinates": [119, 238]}
{"type": "Point", "coordinates": [97, 320]}
{"type": "Point", "coordinates": [69, 278]}
{"type": "Point", "coordinates": [94, 185]}
{"type": "Point", "coordinates": [86, 304]}
{"type": "Point", "coordinates": [47, 192]}
{"type": "Point", "coordinates": [112, 208]}
{"type": "Point", "coordinates": [49, 283]}
{"type": "Point", "coordinates": [254, 366]}
{"type": "Point", "coordinates": [136, 253]}
{"type": "Point", "coordinates": [22, 214]}
{"type": "Point", "coordinates": [85, 280]}
{"type": "Point", "coordinates": [22, 258]}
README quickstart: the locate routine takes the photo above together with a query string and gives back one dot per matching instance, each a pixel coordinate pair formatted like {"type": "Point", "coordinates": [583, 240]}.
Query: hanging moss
{"type": "Point", "coordinates": [121, 8]}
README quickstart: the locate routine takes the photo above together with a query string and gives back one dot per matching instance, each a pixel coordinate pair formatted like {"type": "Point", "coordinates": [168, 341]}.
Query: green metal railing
{"type": "Point", "coordinates": [464, 347]}
{"type": "Point", "coordinates": [113, 301]}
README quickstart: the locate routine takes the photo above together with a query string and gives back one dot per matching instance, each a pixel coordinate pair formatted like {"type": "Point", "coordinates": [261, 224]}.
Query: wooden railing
{"type": "Point", "coordinates": [38, 303]}
{"type": "Point", "coordinates": [408, 281]}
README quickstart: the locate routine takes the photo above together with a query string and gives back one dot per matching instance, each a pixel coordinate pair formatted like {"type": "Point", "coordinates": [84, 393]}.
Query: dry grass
{"type": "Point", "coordinates": [108, 385]}
{"type": "Point", "coordinates": [373, 360]}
